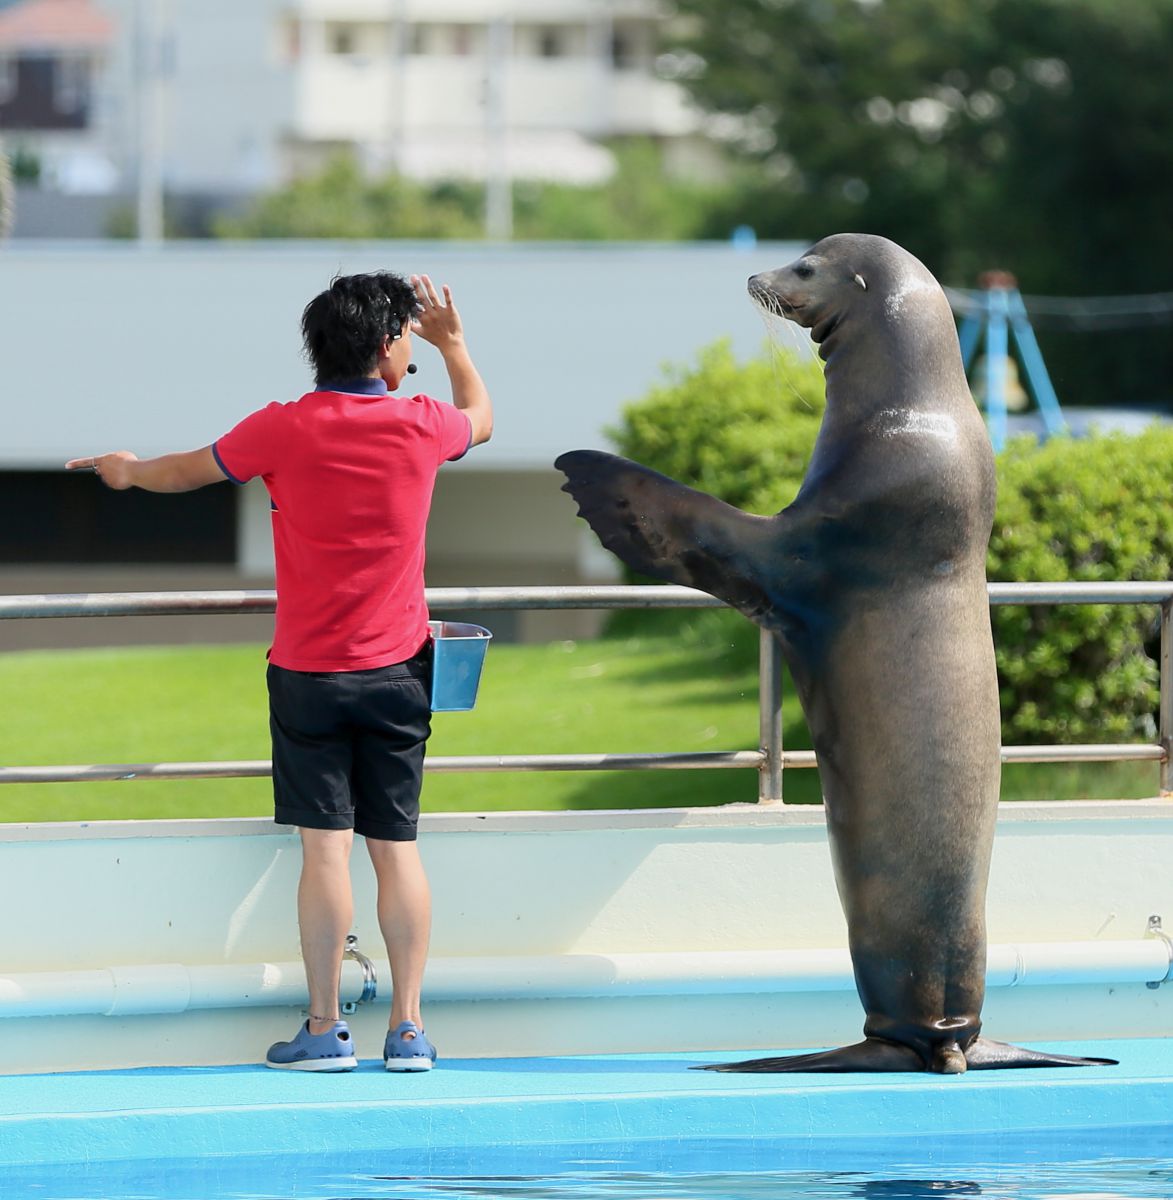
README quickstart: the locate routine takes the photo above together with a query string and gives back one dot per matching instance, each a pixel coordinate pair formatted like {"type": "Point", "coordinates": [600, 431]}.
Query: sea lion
{"type": "Point", "coordinates": [874, 582]}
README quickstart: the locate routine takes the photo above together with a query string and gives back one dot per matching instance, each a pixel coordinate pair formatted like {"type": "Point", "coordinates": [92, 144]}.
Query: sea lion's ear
{"type": "Point", "coordinates": [863, 283]}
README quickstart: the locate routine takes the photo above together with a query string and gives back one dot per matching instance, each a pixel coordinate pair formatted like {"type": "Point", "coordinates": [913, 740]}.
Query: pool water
{"type": "Point", "coordinates": [701, 1169]}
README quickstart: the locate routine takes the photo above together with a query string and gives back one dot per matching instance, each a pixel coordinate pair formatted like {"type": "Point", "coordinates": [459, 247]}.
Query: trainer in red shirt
{"type": "Point", "coordinates": [350, 469]}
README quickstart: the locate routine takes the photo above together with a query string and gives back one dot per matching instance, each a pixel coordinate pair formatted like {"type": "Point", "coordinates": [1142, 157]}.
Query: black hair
{"type": "Point", "coordinates": [344, 326]}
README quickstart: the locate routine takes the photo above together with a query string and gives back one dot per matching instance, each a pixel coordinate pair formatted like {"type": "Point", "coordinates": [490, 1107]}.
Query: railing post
{"type": "Point", "coordinates": [770, 717]}
{"type": "Point", "coordinates": [1165, 729]}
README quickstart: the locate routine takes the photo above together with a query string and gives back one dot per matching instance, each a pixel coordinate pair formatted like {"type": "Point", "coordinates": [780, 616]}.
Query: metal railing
{"type": "Point", "coordinates": [770, 759]}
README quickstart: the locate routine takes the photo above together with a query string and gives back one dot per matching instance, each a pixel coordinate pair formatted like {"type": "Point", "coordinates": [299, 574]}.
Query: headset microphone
{"type": "Point", "coordinates": [412, 368]}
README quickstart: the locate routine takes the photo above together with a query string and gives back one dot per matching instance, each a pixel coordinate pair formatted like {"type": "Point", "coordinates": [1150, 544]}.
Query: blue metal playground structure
{"type": "Point", "coordinates": [1001, 314]}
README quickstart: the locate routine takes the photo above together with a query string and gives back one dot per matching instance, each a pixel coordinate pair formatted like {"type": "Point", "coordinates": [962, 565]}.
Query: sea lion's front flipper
{"type": "Point", "coordinates": [873, 1056]}
{"type": "Point", "coordinates": [661, 528]}
{"type": "Point", "coordinates": [985, 1055]}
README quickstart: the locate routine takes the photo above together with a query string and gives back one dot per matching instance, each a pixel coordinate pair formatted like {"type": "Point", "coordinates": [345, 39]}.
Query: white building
{"type": "Point", "coordinates": [53, 53]}
{"type": "Point", "coordinates": [442, 88]}
{"type": "Point", "coordinates": [218, 96]}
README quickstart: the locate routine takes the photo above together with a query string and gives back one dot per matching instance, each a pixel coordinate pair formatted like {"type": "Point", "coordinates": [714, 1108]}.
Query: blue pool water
{"type": "Point", "coordinates": [750, 1169]}
{"type": "Point", "coordinates": [611, 1127]}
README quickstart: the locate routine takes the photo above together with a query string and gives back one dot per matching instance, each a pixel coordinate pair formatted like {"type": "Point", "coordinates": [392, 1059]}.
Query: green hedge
{"type": "Point", "coordinates": [1092, 509]}
{"type": "Point", "coordinates": [743, 432]}
{"type": "Point", "coordinates": [1096, 508]}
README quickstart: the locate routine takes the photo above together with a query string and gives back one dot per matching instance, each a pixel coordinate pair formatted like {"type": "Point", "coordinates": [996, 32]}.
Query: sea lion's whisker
{"type": "Point", "coordinates": [781, 349]}
{"type": "Point", "coordinates": [767, 303]}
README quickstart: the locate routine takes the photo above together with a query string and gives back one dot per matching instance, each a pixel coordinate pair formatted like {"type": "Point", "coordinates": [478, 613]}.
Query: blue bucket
{"type": "Point", "coordinates": [458, 655]}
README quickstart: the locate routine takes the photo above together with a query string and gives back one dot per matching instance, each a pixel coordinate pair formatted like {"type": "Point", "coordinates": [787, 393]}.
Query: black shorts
{"type": "Point", "coordinates": [348, 747]}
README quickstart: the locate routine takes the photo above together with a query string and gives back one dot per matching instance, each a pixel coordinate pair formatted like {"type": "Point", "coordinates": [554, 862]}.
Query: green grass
{"type": "Point", "coordinates": [608, 696]}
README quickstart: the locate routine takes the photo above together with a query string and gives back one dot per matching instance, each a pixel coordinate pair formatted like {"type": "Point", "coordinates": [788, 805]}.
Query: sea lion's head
{"type": "Point", "coordinates": [837, 275]}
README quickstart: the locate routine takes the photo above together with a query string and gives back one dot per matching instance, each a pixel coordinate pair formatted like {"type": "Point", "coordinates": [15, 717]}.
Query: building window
{"type": "Point", "coordinates": [71, 85]}
{"type": "Point", "coordinates": [341, 39]}
{"type": "Point", "coordinates": [288, 40]}
{"type": "Point", "coordinates": [460, 40]}
{"type": "Point", "coordinates": [623, 50]}
{"type": "Point", "coordinates": [551, 43]}
{"type": "Point", "coordinates": [631, 45]}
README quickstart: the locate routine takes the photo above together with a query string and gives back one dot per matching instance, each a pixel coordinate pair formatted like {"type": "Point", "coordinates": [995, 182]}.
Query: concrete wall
{"type": "Point", "coordinates": [109, 345]}
{"type": "Point", "coordinates": [518, 894]}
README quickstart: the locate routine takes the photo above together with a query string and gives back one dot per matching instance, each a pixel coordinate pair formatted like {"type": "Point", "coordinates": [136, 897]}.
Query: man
{"type": "Point", "coordinates": [350, 469]}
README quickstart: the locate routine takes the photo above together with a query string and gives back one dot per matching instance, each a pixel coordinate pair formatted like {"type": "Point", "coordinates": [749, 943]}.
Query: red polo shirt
{"type": "Point", "coordinates": [350, 471]}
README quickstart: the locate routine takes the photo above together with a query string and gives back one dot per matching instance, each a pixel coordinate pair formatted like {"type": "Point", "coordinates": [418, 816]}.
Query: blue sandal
{"type": "Point", "coordinates": [402, 1053]}
{"type": "Point", "coordinates": [329, 1051]}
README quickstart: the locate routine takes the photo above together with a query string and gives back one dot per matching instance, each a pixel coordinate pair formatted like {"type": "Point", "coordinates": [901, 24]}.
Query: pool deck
{"type": "Point", "coordinates": [195, 1112]}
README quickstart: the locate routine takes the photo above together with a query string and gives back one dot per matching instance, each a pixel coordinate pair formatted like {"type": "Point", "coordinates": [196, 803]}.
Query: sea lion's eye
{"type": "Point", "coordinates": [804, 270]}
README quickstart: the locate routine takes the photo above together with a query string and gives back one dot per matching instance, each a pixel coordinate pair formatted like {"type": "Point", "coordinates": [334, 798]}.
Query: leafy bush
{"type": "Point", "coordinates": [741, 432]}
{"type": "Point", "coordinates": [1091, 509]}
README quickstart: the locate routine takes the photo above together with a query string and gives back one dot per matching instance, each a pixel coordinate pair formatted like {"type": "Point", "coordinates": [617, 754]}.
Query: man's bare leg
{"type": "Point", "coordinates": [325, 912]}
{"type": "Point", "coordinates": [405, 919]}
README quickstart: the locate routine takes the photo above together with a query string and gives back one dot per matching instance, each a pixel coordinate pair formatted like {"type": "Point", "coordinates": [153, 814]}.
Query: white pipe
{"type": "Point", "coordinates": [157, 988]}
{"type": "Point", "coordinates": [1147, 960]}
{"type": "Point", "coordinates": [173, 987]}
{"type": "Point", "coordinates": [599, 975]}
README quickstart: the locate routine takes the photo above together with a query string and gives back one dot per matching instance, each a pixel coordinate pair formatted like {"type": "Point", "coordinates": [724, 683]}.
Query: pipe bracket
{"type": "Point", "coordinates": [370, 983]}
{"type": "Point", "coordinates": [1155, 930]}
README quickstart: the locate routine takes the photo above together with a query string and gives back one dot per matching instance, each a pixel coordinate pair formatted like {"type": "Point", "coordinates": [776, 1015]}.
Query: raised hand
{"type": "Point", "coordinates": [438, 321]}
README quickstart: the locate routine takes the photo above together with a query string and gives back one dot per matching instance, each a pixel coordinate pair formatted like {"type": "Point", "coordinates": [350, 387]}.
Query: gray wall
{"type": "Point", "coordinates": [108, 346]}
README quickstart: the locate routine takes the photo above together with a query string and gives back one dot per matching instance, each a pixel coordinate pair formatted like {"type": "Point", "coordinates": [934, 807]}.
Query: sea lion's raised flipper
{"type": "Point", "coordinates": [873, 1056]}
{"type": "Point", "coordinates": [661, 528]}
{"type": "Point", "coordinates": [985, 1055]}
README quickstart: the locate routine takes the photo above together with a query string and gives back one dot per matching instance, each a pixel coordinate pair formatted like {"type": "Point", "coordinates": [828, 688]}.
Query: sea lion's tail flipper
{"type": "Point", "coordinates": [661, 528]}
{"type": "Point", "coordinates": [872, 1056]}
{"type": "Point", "coordinates": [985, 1055]}
{"type": "Point", "coordinates": [876, 1055]}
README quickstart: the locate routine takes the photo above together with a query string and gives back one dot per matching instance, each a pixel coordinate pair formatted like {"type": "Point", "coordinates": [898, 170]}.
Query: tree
{"type": "Point", "coordinates": [341, 202]}
{"type": "Point", "coordinates": [641, 201]}
{"type": "Point", "coordinates": [1035, 135]}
